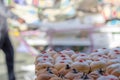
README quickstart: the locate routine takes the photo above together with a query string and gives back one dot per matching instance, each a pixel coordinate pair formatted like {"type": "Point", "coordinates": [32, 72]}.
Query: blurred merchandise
{"type": "Point", "coordinates": [8, 2]}
{"type": "Point", "coordinates": [20, 2]}
{"type": "Point", "coordinates": [36, 3]}
{"type": "Point", "coordinates": [42, 3]}
{"type": "Point", "coordinates": [94, 19]}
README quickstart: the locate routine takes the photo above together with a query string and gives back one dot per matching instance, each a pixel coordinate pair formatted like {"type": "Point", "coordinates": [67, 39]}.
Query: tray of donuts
{"type": "Point", "coordinates": [101, 64]}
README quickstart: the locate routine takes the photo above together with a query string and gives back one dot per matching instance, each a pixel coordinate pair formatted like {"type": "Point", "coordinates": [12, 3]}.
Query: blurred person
{"type": "Point", "coordinates": [5, 43]}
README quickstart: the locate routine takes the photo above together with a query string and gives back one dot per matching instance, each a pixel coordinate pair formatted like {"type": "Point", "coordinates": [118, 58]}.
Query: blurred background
{"type": "Point", "coordinates": [82, 25]}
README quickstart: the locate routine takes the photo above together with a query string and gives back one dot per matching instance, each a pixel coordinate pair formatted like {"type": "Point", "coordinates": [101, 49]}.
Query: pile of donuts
{"type": "Point", "coordinates": [101, 64]}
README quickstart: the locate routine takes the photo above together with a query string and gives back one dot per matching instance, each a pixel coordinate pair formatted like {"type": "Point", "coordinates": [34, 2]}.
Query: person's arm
{"type": "Point", "coordinates": [8, 14]}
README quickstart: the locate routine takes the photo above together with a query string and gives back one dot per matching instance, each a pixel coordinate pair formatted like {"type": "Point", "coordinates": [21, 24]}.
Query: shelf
{"type": "Point", "coordinates": [108, 29]}
{"type": "Point", "coordinates": [71, 41]}
{"type": "Point", "coordinates": [67, 42]}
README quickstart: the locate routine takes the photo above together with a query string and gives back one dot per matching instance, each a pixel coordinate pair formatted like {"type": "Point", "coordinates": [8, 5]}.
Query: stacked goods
{"type": "Point", "coordinates": [101, 64]}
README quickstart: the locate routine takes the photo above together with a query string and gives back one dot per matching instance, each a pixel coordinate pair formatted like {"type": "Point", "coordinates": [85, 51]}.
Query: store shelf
{"type": "Point", "coordinates": [105, 33]}
{"type": "Point", "coordinates": [108, 29]}
{"type": "Point", "coordinates": [67, 42]}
